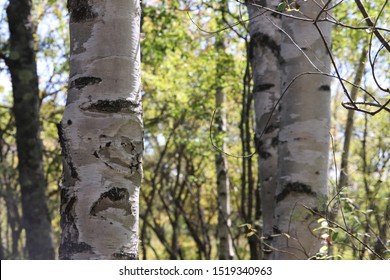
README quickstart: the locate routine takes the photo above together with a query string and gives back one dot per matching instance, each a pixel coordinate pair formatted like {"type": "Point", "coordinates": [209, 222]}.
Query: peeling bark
{"type": "Point", "coordinates": [101, 133]}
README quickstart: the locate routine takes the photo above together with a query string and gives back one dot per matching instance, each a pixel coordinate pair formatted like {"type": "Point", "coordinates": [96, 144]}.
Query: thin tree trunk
{"type": "Point", "coordinates": [23, 69]}
{"type": "Point", "coordinates": [101, 132]}
{"type": "Point", "coordinates": [2, 255]}
{"type": "Point", "coordinates": [225, 245]}
{"type": "Point", "coordinates": [264, 56]}
{"type": "Point", "coordinates": [343, 178]}
{"type": "Point", "coordinates": [249, 195]}
{"type": "Point", "coordinates": [303, 136]}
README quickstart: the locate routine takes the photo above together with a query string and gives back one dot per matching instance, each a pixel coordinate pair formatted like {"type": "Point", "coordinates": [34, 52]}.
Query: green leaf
{"type": "Point", "coordinates": [281, 6]}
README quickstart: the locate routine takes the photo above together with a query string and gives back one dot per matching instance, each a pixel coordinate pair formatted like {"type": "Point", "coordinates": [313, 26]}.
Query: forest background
{"type": "Point", "coordinates": [181, 74]}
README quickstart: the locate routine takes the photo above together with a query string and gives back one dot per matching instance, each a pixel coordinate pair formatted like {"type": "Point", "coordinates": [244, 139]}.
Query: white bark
{"type": "Point", "coordinates": [102, 132]}
{"type": "Point", "coordinates": [223, 189]}
{"type": "Point", "coordinates": [265, 55]}
{"type": "Point", "coordinates": [223, 186]}
{"type": "Point", "coordinates": [225, 242]}
{"type": "Point", "coordinates": [303, 137]}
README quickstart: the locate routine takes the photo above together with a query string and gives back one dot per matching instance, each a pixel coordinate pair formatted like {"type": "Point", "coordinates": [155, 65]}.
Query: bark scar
{"type": "Point", "coordinates": [296, 187]}
{"type": "Point", "coordinates": [114, 198]}
{"type": "Point", "coordinates": [111, 106]}
{"type": "Point", "coordinates": [82, 82]}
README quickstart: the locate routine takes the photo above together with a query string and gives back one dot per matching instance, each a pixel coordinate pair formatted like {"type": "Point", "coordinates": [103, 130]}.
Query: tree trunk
{"type": "Point", "coordinates": [264, 56]}
{"type": "Point", "coordinates": [303, 136]}
{"type": "Point", "coordinates": [23, 69]}
{"type": "Point", "coordinates": [101, 132]}
{"type": "Point", "coordinates": [225, 245]}
{"type": "Point", "coordinates": [343, 178]}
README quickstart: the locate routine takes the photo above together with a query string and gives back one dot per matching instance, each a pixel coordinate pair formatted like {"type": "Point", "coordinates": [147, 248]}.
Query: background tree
{"type": "Point", "coordinates": [101, 132]}
{"type": "Point", "coordinates": [223, 184]}
{"type": "Point", "coordinates": [26, 103]}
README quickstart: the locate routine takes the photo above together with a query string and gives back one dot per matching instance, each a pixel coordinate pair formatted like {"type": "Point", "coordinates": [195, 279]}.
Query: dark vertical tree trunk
{"type": "Point", "coordinates": [2, 256]}
{"type": "Point", "coordinates": [22, 66]}
{"type": "Point", "coordinates": [249, 195]}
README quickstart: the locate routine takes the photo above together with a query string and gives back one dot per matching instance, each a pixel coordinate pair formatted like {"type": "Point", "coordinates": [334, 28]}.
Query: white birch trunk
{"type": "Point", "coordinates": [265, 54]}
{"type": "Point", "coordinates": [225, 242]}
{"type": "Point", "coordinates": [101, 132]}
{"type": "Point", "coordinates": [303, 137]}
{"type": "Point", "coordinates": [223, 186]}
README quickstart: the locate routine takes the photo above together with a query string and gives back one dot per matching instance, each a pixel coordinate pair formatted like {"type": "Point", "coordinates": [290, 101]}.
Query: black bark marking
{"type": "Point", "coordinates": [65, 153]}
{"type": "Point", "coordinates": [69, 122]}
{"type": "Point", "coordinates": [69, 248]}
{"type": "Point", "coordinates": [263, 40]}
{"type": "Point", "coordinates": [296, 187]}
{"type": "Point", "coordinates": [114, 198]}
{"type": "Point", "coordinates": [276, 230]}
{"type": "Point", "coordinates": [96, 154]}
{"type": "Point", "coordinates": [258, 142]}
{"type": "Point", "coordinates": [135, 163]}
{"type": "Point", "coordinates": [264, 155]}
{"type": "Point", "coordinates": [262, 87]}
{"type": "Point", "coordinates": [271, 128]}
{"type": "Point", "coordinates": [260, 148]}
{"type": "Point", "coordinates": [112, 106]}
{"type": "Point", "coordinates": [80, 11]}
{"type": "Point", "coordinates": [69, 203]}
{"type": "Point", "coordinates": [275, 142]}
{"type": "Point", "coordinates": [69, 245]}
{"type": "Point", "coordinates": [125, 256]}
{"type": "Point", "coordinates": [82, 82]}
{"type": "Point", "coordinates": [324, 88]}
{"type": "Point", "coordinates": [116, 194]}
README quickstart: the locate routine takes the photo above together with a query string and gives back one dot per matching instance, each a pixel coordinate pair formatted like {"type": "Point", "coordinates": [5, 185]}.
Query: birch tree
{"type": "Point", "coordinates": [221, 164]}
{"type": "Point", "coordinates": [304, 132]}
{"type": "Point", "coordinates": [101, 132]}
{"type": "Point", "coordinates": [264, 56]}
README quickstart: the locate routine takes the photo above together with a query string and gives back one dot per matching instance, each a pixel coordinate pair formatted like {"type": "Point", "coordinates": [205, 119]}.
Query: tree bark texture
{"type": "Point", "coordinates": [22, 66]}
{"type": "Point", "coordinates": [225, 245]}
{"type": "Point", "coordinates": [303, 135]}
{"type": "Point", "coordinates": [101, 132]}
{"type": "Point", "coordinates": [264, 56]}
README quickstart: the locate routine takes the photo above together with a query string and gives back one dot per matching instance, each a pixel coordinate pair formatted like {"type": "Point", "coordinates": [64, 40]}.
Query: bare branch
{"type": "Point", "coordinates": [371, 24]}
